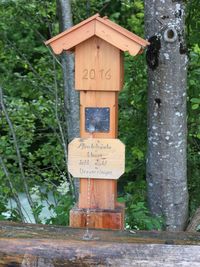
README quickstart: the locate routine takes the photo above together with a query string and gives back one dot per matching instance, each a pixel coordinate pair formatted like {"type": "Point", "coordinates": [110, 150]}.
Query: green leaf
{"type": "Point", "coordinates": [195, 100]}
{"type": "Point", "coordinates": [195, 106]}
{"type": "Point", "coordinates": [120, 199]}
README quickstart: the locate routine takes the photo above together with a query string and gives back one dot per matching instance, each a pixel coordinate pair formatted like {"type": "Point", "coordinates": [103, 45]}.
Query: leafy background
{"type": "Point", "coordinates": [31, 79]}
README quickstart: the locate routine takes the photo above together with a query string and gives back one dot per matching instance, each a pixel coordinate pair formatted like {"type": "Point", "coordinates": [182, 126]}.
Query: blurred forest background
{"type": "Point", "coordinates": [32, 159]}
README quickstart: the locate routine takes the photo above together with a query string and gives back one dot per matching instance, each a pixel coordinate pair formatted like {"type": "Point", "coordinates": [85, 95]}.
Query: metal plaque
{"type": "Point", "coordinates": [97, 120]}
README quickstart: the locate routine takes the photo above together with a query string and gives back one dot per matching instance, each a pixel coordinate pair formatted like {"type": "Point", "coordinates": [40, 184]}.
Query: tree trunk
{"type": "Point", "coordinates": [71, 97]}
{"type": "Point", "coordinates": [167, 130]}
{"type": "Point", "coordinates": [194, 224]}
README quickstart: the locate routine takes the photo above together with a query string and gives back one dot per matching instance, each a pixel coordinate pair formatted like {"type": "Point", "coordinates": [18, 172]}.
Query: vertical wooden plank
{"type": "Point", "coordinates": [99, 99]}
{"type": "Point", "coordinates": [121, 69]}
{"type": "Point", "coordinates": [103, 193]}
{"type": "Point", "coordinates": [99, 77]}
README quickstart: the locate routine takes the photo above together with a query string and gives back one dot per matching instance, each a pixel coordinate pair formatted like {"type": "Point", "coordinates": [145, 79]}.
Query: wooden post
{"type": "Point", "coordinates": [105, 212]}
{"type": "Point", "coordinates": [104, 192]}
{"type": "Point", "coordinates": [98, 44]}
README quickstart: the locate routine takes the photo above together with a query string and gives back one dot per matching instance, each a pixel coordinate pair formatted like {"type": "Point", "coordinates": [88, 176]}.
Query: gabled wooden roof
{"type": "Point", "coordinates": [104, 29]}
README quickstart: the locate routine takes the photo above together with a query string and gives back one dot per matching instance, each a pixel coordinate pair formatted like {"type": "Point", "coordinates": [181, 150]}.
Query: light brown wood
{"type": "Point", "coordinates": [96, 158]}
{"type": "Point", "coordinates": [121, 69]}
{"type": "Point", "coordinates": [13, 230]}
{"type": "Point", "coordinates": [98, 66]}
{"type": "Point", "coordinates": [99, 99]}
{"type": "Point", "coordinates": [116, 39]}
{"type": "Point", "coordinates": [103, 28]}
{"type": "Point", "coordinates": [98, 45]}
{"type": "Point", "coordinates": [73, 38]}
{"type": "Point", "coordinates": [64, 33]}
{"type": "Point", "coordinates": [122, 30]}
{"type": "Point", "coordinates": [103, 193]}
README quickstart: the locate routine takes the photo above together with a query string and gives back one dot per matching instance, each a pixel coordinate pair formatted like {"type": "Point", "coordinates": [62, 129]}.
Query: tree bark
{"type": "Point", "coordinates": [53, 246]}
{"type": "Point", "coordinates": [167, 130]}
{"type": "Point", "coordinates": [71, 97]}
{"type": "Point", "coordinates": [194, 224]}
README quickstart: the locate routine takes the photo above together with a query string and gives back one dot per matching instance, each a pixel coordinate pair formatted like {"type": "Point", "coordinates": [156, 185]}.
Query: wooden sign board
{"type": "Point", "coordinates": [96, 158]}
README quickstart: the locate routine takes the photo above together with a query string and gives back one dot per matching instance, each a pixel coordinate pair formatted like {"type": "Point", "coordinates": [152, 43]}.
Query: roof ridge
{"type": "Point", "coordinates": [113, 33]}
{"type": "Point", "coordinates": [72, 28]}
{"type": "Point", "coordinates": [122, 30]}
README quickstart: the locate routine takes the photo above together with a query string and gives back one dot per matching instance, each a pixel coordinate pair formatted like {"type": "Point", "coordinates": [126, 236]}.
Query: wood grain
{"type": "Point", "coordinates": [107, 30]}
{"type": "Point", "coordinates": [99, 75]}
{"type": "Point", "coordinates": [104, 192]}
{"type": "Point", "coordinates": [74, 28]}
{"type": "Point", "coordinates": [96, 158]}
{"type": "Point", "coordinates": [73, 38]}
{"type": "Point", "coordinates": [98, 66]}
{"type": "Point", "coordinates": [53, 246]}
{"type": "Point", "coordinates": [99, 99]}
{"type": "Point", "coordinates": [122, 30]}
{"type": "Point", "coordinates": [116, 39]}
{"type": "Point", "coordinates": [98, 218]}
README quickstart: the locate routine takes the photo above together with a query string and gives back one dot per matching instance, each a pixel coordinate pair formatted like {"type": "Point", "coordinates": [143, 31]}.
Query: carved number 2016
{"type": "Point", "coordinates": [92, 74]}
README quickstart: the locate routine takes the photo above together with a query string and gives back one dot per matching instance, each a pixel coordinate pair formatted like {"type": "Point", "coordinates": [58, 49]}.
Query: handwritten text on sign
{"type": "Point", "coordinates": [96, 158]}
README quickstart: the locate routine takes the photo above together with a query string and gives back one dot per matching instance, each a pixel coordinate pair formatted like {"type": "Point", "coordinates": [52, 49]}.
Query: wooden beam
{"type": "Point", "coordinates": [104, 192]}
{"type": "Point", "coordinates": [42, 245]}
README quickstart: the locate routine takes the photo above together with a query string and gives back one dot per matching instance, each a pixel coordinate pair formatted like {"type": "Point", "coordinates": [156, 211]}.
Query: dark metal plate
{"type": "Point", "coordinates": [97, 120]}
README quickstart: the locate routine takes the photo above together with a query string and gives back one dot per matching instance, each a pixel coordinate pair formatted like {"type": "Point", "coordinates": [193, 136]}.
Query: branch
{"type": "Point", "coordinates": [19, 158]}
{"type": "Point", "coordinates": [15, 196]}
{"type": "Point", "coordinates": [49, 49]}
{"type": "Point", "coordinates": [29, 64]}
{"type": "Point", "coordinates": [64, 143]}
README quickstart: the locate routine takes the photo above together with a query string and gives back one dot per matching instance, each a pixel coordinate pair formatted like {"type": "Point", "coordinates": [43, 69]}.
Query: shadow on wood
{"type": "Point", "coordinates": [42, 245]}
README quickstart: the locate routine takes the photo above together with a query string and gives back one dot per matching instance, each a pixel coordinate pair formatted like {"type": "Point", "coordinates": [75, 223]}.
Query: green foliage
{"type": "Point", "coordinates": [62, 205]}
{"type": "Point", "coordinates": [129, 14]}
{"type": "Point", "coordinates": [192, 22]}
{"type": "Point", "coordinates": [194, 126]}
{"type": "Point", "coordinates": [2, 208]}
{"type": "Point", "coordinates": [132, 116]}
{"type": "Point", "coordinates": [61, 210]}
{"type": "Point", "coordinates": [195, 103]}
{"type": "Point", "coordinates": [59, 207]}
{"type": "Point", "coordinates": [137, 214]}
{"type": "Point", "coordinates": [28, 78]}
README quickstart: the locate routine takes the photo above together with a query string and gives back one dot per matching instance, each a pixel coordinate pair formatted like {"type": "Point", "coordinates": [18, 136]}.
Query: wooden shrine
{"type": "Point", "coordinates": [98, 44]}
